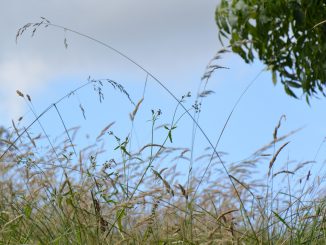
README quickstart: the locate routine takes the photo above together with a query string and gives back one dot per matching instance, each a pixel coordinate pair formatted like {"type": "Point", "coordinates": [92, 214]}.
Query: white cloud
{"type": "Point", "coordinates": [173, 39]}
{"type": "Point", "coordinates": [27, 76]}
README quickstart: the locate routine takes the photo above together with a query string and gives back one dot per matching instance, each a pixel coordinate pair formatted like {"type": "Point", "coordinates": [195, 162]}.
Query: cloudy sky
{"type": "Point", "coordinates": [172, 39]}
{"type": "Point", "coordinates": [167, 37]}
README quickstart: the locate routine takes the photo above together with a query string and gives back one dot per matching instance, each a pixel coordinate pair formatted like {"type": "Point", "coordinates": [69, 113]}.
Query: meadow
{"type": "Point", "coordinates": [53, 193]}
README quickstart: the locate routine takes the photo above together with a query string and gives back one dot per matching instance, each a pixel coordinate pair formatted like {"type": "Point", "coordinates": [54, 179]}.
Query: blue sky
{"type": "Point", "coordinates": [175, 41]}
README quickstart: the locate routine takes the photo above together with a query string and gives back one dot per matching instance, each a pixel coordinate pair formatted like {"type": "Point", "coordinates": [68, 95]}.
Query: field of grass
{"type": "Point", "coordinates": [53, 194]}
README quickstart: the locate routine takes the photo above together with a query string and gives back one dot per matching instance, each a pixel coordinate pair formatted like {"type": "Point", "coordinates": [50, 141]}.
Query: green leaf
{"type": "Point", "coordinates": [225, 26]}
{"type": "Point", "coordinates": [293, 84]}
{"type": "Point", "coordinates": [120, 214]}
{"type": "Point", "coordinates": [170, 136]}
{"type": "Point", "coordinates": [28, 211]}
{"type": "Point", "coordinates": [282, 220]}
{"type": "Point", "coordinates": [307, 99]}
{"type": "Point", "coordinates": [289, 91]}
{"type": "Point", "coordinates": [170, 132]}
{"type": "Point", "coordinates": [274, 77]}
{"type": "Point", "coordinates": [124, 150]}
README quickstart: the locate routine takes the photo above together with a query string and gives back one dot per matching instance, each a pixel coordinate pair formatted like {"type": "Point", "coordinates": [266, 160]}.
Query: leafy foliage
{"type": "Point", "coordinates": [289, 36]}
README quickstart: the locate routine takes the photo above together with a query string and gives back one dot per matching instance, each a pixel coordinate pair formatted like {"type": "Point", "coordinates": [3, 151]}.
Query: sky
{"type": "Point", "coordinates": [174, 40]}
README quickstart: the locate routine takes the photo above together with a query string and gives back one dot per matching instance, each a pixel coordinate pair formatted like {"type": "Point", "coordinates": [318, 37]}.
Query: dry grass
{"type": "Point", "coordinates": [65, 196]}
{"type": "Point", "coordinates": [95, 204]}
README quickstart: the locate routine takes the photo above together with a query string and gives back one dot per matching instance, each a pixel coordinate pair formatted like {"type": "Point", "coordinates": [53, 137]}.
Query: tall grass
{"type": "Point", "coordinates": [53, 193]}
